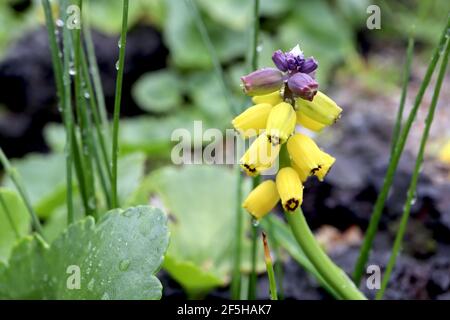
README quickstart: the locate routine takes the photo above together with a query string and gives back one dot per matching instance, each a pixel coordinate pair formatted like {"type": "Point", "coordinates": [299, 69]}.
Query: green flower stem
{"type": "Point", "coordinates": [15, 178]}
{"type": "Point", "coordinates": [256, 180]}
{"type": "Point", "coordinates": [380, 202]}
{"type": "Point", "coordinates": [236, 278]}
{"type": "Point", "coordinates": [278, 265]}
{"type": "Point", "coordinates": [254, 225]}
{"type": "Point", "coordinates": [117, 103]}
{"type": "Point", "coordinates": [9, 216]}
{"type": "Point", "coordinates": [332, 274]}
{"type": "Point", "coordinates": [413, 184]}
{"type": "Point", "coordinates": [269, 268]}
{"type": "Point", "coordinates": [84, 123]}
{"type": "Point", "coordinates": [64, 101]}
{"type": "Point", "coordinates": [406, 75]}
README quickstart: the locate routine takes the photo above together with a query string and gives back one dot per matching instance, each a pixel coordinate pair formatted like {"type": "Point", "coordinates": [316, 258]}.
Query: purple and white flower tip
{"type": "Point", "coordinates": [303, 86]}
{"type": "Point", "coordinates": [309, 65]}
{"type": "Point", "coordinates": [262, 81]}
{"type": "Point", "coordinates": [289, 61]}
{"type": "Point", "coordinates": [296, 51]}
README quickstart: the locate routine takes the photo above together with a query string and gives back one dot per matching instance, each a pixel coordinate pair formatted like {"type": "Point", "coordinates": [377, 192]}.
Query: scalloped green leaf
{"type": "Point", "coordinates": [115, 259]}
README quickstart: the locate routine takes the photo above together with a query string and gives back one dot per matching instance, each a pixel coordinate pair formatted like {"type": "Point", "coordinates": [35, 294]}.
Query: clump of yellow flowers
{"type": "Point", "coordinates": [283, 98]}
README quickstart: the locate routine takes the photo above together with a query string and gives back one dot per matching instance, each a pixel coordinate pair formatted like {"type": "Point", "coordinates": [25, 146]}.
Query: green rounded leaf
{"type": "Point", "coordinates": [158, 91]}
{"type": "Point", "coordinates": [115, 259]}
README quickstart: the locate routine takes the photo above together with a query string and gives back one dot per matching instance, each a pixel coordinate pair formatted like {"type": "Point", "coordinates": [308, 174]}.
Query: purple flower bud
{"type": "Point", "coordinates": [291, 62]}
{"type": "Point", "coordinates": [300, 60]}
{"type": "Point", "coordinates": [262, 81]}
{"type": "Point", "coordinates": [303, 86]}
{"type": "Point", "coordinates": [309, 65]}
{"type": "Point", "coordinates": [279, 59]}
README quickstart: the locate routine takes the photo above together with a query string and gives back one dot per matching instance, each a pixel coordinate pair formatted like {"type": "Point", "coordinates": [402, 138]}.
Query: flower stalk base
{"type": "Point", "coordinates": [331, 273]}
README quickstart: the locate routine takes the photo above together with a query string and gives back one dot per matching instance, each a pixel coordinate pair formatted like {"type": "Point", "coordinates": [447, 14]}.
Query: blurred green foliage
{"type": "Point", "coordinates": [15, 221]}
{"type": "Point", "coordinates": [200, 202]}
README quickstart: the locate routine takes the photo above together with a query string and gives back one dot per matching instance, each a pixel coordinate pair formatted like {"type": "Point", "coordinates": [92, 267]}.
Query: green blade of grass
{"type": "Point", "coordinates": [269, 268]}
{"type": "Point", "coordinates": [218, 70]}
{"type": "Point", "coordinates": [64, 101]}
{"type": "Point", "coordinates": [236, 283]}
{"type": "Point", "coordinates": [101, 157]}
{"type": "Point", "coordinates": [87, 146]}
{"type": "Point", "coordinates": [413, 184]}
{"type": "Point", "coordinates": [381, 199]}
{"type": "Point", "coordinates": [283, 235]}
{"type": "Point", "coordinates": [96, 80]}
{"type": "Point", "coordinates": [406, 75]}
{"type": "Point", "coordinates": [118, 102]}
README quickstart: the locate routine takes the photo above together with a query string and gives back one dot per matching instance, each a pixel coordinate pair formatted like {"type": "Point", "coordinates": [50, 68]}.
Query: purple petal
{"type": "Point", "coordinates": [303, 86]}
{"type": "Point", "coordinates": [279, 59]}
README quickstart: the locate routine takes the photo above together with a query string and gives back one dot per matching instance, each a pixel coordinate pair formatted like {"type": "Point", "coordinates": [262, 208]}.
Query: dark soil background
{"type": "Point", "coordinates": [26, 76]}
{"type": "Point", "coordinates": [344, 201]}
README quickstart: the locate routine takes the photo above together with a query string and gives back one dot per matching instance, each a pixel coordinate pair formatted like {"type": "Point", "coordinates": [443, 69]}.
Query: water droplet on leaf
{"type": "Point", "coordinates": [124, 264]}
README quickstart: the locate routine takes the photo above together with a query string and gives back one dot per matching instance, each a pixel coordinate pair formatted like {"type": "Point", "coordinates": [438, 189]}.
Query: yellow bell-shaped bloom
{"type": "Point", "coordinates": [322, 109]}
{"type": "Point", "coordinates": [250, 122]}
{"type": "Point", "coordinates": [290, 189]}
{"type": "Point", "coordinates": [273, 98]}
{"type": "Point", "coordinates": [262, 199]}
{"type": "Point", "coordinates": [309, 159]}
{"type": "Point", "coordinates": [260, 156]}
{"type": "Point", "coordinates": [308, 123]}
{"type": "Point", "coordinates": [327, 163]}
{"type": "Point", "coordinates": [302, 171]}
{"type": "Point", "coordinates": [281, 123]}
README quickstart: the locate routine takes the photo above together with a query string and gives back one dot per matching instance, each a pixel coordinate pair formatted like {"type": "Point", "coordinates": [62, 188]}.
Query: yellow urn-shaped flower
{"type": "Point", "coordinates": [273, 98]}
{"type": "Point", "coordinates": [260, 156]}
{"type": "Point", "coordinates": [321, 109]}
{"type": "Point", "coordinates": [302, 171]}
{"type": "Point", "coordinates": [327, 163]}
{"type": "Point", "coordinates": [262, 199]}
{"type": "Point", "coordinates": [281, 123]}
{"type": "Point", "coordinates": [290, 189]}
{"type": "Point", "coordinates": [250, 122]}
{"type": "Point", "coordinates": [307, 156]}
{"type": "Point", "coordinates": [308, 123]}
